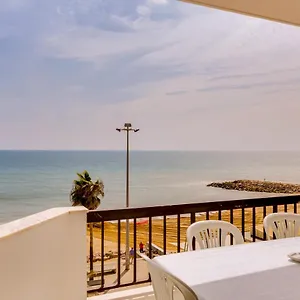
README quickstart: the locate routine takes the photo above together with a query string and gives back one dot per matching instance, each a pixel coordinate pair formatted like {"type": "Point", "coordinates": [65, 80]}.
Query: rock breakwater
{"type": "Point", "coordinates": [258, 186]}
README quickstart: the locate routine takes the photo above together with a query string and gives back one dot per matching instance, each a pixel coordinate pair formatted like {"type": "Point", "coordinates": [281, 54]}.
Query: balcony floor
{"type": "Point", "coordinates": [132, 293]}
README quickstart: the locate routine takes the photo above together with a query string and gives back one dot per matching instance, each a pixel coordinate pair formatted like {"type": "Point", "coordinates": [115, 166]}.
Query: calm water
{"type": "Point", "coordinates": [31, 181]}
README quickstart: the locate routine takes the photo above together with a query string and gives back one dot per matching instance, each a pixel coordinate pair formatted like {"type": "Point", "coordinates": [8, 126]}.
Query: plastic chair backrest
{"type": "Point", "coordinates": [282, 225]}
{"type": "Point", "coordinates": [211, 234]}
{"type": "Point", "coordinates": [165, 285]}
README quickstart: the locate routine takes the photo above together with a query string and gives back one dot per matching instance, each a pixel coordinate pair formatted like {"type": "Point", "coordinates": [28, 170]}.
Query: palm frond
{"type": "Point", "coordinates": [86, 192]}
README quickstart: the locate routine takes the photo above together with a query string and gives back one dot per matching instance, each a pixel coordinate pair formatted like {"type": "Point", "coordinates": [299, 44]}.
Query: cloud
{"type": "Point", "coordinates": [176, 93]}
{"type": "Point", "coordinates": [159, 2]}
{"type": "Point", "coordinates": [14, 5]}
{"type": "Point", "coordinates": [217, 80]}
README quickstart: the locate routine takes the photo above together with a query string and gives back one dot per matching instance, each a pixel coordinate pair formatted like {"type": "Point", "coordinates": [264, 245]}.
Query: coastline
{"type": "Point", "coordinates": [157, 178]}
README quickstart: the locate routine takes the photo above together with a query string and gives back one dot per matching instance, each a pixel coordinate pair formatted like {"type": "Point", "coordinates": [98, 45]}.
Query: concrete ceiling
{"type": "Point", "coordinates": [284, 11]}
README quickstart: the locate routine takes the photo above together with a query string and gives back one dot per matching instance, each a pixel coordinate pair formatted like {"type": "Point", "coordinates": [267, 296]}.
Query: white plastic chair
{"type": "Point", "coordinates": [282, 225]}
{"type": "Point", "coordinates": [166, 286]}
{"type": "Point", "coordinates": [211, 234]}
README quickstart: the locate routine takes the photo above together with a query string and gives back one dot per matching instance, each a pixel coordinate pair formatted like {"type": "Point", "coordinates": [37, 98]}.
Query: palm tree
{"type": "Point", "coordinates": [87, 193]}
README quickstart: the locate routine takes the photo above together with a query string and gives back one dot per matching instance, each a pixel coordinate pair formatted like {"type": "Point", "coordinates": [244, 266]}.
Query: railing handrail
{"type": "Point", "coordinates": [175, 209]}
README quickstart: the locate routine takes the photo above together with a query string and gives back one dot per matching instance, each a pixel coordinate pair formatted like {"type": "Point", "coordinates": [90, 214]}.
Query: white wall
{"type": "Point", "coordinates": [43, 256]}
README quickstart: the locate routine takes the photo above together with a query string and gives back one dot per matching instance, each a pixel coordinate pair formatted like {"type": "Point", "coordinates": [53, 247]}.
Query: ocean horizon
{"type": "Point", "coordinates": [35, 180]}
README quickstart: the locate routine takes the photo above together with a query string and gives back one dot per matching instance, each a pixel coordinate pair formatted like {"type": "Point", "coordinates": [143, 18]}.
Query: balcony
{"type": "Point", "coordinates": [47, 254]}
{"type": "Point", "coordinates": [164, 228]}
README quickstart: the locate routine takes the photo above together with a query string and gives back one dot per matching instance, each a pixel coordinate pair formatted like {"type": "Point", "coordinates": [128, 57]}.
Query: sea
{"type": "Point", "coordinates": [32, 181]}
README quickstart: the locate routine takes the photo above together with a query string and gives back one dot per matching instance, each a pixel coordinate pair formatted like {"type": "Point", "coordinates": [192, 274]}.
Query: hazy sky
{"type": "Point", "coordinates": [189, 77]}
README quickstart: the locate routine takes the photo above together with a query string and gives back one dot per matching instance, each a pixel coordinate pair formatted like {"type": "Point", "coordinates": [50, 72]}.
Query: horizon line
{"type": "Point", "coordinates": [151, 150]}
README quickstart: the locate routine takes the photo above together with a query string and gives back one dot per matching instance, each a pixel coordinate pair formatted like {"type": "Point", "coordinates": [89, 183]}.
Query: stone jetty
{"type": "Point", "coordinates": [258, 186]}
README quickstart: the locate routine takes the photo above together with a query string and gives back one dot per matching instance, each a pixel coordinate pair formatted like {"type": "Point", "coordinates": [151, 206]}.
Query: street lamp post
{"type": "Point", "coordinates": [127, 127]}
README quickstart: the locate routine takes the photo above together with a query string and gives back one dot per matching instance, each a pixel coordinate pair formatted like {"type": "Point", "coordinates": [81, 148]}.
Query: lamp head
{"type": "Point", "coordinates": [136, 130]}
{"type": "Point", "coordinates": [127, 125]}
{"type": "Point", "coordinates": [118, 129]}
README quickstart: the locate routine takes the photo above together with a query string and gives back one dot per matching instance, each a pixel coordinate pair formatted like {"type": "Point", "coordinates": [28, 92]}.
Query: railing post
{"type": "Point", "coordinates": [178, 233]}
{"type": "Point", "coordinates": [253, 224]}
{"type": "Point", "coordinates": [193, 219]}
{"type": "Point", "coordinates": [91, 227]}
{"type": "Point", "coordinates": [102, 254]}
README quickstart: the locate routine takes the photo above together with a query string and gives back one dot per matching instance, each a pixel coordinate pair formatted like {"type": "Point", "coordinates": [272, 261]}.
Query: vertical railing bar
{"type": "Point", "coordinates": [134, 247]}
{"type": "Point", "coordinates": [264, 215]}
{"type": "Point", "coordinates": [253, 224]}
{"type": "Point", "coordinates": [178, 233]}
{"type": "Point", "coordinates": [295, 208]}
{"type": "Point", "coordinates": [243, 222]}
{"type": "Point", "coordinates": [220, 218]}
{"type": "Point", "coordinates": [119, 253]}
{"type": "Point", "coordinates": [165, 235]}
{"type": "Point", "coordinates": [231, 221]}
{"type": "Point", "coordinates": [275, 210]}
{"type": "Point", "coordinates": [193, 219]}
{"type": "Point", "coordinates": [207, 215]}
{"type": "Point", "coordinates": [91, 228]}
{"type": "Point", "coordinates": [102, 253]}
{"type": "Point", "coordinates": [285, 207]}
{"type": "Point", "coordinates": [150, 237]}
{"type": "Point", "coordinates": [231, 216]}
{"type": "Point", "coordinates": [264, 211]}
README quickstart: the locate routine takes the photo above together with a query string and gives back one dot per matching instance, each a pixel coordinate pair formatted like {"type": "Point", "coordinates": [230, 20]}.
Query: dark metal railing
{"type": "Point", "coordinates": [166, 226]}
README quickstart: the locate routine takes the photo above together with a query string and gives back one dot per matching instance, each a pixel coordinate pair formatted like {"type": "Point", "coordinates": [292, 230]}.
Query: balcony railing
{"type": "Point", "coordinates": [164, 227]}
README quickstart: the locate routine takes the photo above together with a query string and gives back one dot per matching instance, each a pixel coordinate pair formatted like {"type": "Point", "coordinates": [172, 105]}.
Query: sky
{"type": "Point", "coordinates": [191, 78]}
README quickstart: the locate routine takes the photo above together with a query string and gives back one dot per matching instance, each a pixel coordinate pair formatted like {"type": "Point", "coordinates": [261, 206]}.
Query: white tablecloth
{"type": "Point", "coordinates": [256, 271]}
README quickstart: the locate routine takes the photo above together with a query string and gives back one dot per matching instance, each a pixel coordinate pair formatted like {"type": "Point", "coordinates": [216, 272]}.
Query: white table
{"type": "Point", "coordinates": [256, 271]}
